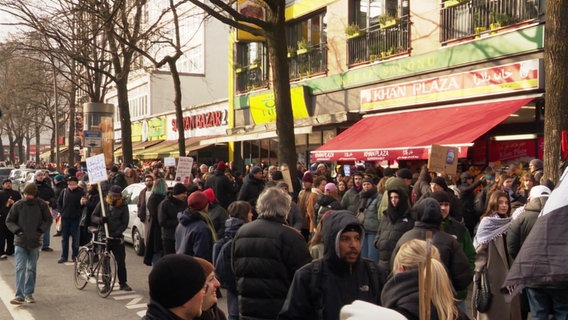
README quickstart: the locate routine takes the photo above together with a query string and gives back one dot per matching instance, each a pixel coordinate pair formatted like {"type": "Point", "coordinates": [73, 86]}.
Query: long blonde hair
{"type": "Point", "coordinates": [413, 252]}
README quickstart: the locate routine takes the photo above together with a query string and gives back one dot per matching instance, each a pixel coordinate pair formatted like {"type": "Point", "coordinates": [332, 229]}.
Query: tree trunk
{"type": "Point", "coordinates": [71, 132]}
{"type": "Point", "coordinates": [281, 83]}
{"type": "Point", "coordinates": [177, 104]}
{"type": "Point", "coordinates": [124, 114]}
{"type": "Point", "coordinates": [556, 68]}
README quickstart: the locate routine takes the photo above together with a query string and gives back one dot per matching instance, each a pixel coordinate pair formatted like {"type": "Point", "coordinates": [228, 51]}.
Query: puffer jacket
{"type": "Point", "coordinates": [266, 266]}
{"type": "Point", "coordinates": [193, 235]}
{"type": "Point", "coordinates": [28, 219]}
{"type": "Point", "coordinates": [396, 221]}
{"type": "Point", "coordinates": [522, 225]}
{"type": "Point", "coordinates": [369, 203]}
{"type": "Point", "coordinates": [429, 218]}
{"type": "Point", "coordinates": [350, 200]}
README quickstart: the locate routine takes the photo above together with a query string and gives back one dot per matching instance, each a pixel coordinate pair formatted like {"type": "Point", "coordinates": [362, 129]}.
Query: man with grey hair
{"type": "Point", "coordinates": [265, 255]}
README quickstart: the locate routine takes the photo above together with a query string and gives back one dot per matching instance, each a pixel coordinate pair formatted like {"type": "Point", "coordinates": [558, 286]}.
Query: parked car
{"type": "Point", "coordinates": [5, 173]}
{"type": "Point", "coordinates": [18, 177]}
{"type": "Point", "coordinates": [135, 232]}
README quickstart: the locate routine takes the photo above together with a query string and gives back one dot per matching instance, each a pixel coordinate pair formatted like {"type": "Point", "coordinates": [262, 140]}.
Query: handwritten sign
{"type": "Point", "coordinates": [96, 168]}
{"type": "Point", "coordinates": [443, 159]}
{"type": "Point", "coordinates": [183, 171]}
{"type": "Point", "coordinates": [288, 179]}
{"type": "Point", "coordinates": [170, 162]}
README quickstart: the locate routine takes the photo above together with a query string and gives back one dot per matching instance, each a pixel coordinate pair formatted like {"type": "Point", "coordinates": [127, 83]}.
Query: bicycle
{"type": "Point", "coordinates": [95, 262]}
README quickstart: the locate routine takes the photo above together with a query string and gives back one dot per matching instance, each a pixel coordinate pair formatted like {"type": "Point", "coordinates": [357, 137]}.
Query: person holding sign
{"type": "Point", "coordinates": [116, 216]}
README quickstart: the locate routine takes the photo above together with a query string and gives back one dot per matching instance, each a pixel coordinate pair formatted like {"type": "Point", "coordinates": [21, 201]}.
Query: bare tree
{"type": "Point", "coordinates": [556, 68]}
{"type": "Point", "coordinates": [272, 28]}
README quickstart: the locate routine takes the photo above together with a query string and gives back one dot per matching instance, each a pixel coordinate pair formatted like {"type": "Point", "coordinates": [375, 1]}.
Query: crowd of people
{"type": "Point", "coordinates": [307, 246]}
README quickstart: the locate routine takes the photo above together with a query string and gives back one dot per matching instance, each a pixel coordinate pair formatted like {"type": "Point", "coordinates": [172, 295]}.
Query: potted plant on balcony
{"type": "Point", "coordinates": [353, 31]}
{"type": "Point", "coordinates": [479, 24]}
{"type": "Point", "coordinates": [303, 46]}
{"type": "Point", "coordinates": [238, 68]}
{"type": "Point", "coordinates": [291, 52]}
{"type": "Point", "coordinates": [386, 20]}
{"type": "Point", "coordinates": [498, 20]}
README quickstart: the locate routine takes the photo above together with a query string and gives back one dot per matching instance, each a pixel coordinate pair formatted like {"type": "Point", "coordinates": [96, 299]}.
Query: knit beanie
{"type": "Point", "coordinates": [221, 166]}
{"type": "Point", "coordinates": [308, 177]}
{"type": "Point", "coordinates": [197, 201]}
{"type": "Point", "coordinates": [30, 188]}
{"type": "Point", "coordinates": [441, 182]}
{"type": "Point", "coordinates": [175, 279]}
{"type": "Point", "coordinates": [277, 175]}
{"type": "Point", "coordinates": [428, 211]}
{"type": "Point", "coordinates": [179, 189]}
{"type": "Point", "coordinates": [206, 265]}
{"type": "Point", "coordinates": [440, 196]}
{"type": "Point", "coordinates": [255, 170]}
{"type": "Point", "coordinates": [210, 194]}
{"type": "Point", "coordinates": [368, 179]}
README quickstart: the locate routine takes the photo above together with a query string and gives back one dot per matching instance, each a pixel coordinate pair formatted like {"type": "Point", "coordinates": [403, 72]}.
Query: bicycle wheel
{"type": "Point", "coordinates": [106, 274]}
{"type": "Point", "coordinates": [82, 268]}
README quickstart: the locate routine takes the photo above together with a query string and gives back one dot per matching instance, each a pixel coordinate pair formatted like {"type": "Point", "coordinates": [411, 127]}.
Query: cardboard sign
{"type": "Point", "coordinates": [183, 170]}
{"type": "Point", "coordinates": [96, 168]}
{"type": "Point", "coordinates": [288, 179]}
{"type": "Point", "coordinates": [170, 162]}
{"type": "Point", "coordinates": [443, 159]}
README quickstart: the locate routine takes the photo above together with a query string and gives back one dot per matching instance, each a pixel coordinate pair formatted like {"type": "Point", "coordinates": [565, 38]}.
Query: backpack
{"type": "Point", "coordinates": [316, 293]}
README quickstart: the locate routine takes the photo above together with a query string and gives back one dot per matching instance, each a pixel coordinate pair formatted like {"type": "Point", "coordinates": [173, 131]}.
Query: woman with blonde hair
{"type": "Point", "coordinates": [401, 290]}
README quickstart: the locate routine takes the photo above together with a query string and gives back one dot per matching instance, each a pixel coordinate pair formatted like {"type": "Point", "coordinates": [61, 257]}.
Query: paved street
{"type": "Point", "coordinates": [57, 297]}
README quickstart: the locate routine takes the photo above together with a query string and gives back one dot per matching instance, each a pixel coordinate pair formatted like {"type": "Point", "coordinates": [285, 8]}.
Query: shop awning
{"type": "Point", "coordinates": [270, 134]}
{"type": "Point", "coordinates": [137, 146]}
{"type": "Point", "coordinates": [169, 148]}
{"type": "Point", "coordinates": [408, 135]}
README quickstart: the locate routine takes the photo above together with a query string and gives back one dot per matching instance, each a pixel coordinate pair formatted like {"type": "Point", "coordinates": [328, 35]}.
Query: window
{"type": "Point", "coordinates": [366, 12]}
{"type": "Point", "coordinates": [312, 29]}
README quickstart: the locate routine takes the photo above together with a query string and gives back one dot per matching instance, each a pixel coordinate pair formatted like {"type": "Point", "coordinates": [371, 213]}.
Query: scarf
{"type": "Point", "coordinates": [490, 228]}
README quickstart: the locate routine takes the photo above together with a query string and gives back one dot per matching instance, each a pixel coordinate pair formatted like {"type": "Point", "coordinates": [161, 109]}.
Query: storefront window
{"type": "Point", "coordinates": [311, 30]}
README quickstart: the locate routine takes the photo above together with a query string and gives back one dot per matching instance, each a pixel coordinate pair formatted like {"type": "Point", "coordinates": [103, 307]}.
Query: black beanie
{"type": "Point", "coordinates": [428, 211]}
{"type": "Point", "coordinates": [441, 182]}
{"type": "Point", "coordinates": [440, 196]}
{"type": "Point", "coordinates": [179, 188]}
{"type": "Point", "coordinates": [175, 279]}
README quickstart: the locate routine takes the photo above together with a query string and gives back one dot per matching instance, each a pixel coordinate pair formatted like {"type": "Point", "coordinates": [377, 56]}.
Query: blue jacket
{"type": "Point", "coordinates": [193, 236]}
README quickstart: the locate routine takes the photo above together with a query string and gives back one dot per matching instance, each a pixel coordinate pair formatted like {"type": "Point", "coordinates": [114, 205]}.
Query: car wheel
{"type": "Point", "coordinates": [137, 242]}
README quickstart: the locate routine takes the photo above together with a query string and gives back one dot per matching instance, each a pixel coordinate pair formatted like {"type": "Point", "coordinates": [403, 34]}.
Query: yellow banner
{"type": "Point", "coordinates": [136, 132]}
{"type": "Point", "coordinates": [263, 107]}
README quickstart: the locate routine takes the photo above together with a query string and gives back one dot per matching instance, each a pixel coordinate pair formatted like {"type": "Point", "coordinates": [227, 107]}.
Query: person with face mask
{"type": "Point", "coordinates": [116, 216]}
{"type": "Point", "coordinates": [70, 207]}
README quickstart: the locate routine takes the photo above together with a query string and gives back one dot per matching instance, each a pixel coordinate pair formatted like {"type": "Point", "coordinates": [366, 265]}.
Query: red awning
{"type": "Point", "coordinates": [410, 134]}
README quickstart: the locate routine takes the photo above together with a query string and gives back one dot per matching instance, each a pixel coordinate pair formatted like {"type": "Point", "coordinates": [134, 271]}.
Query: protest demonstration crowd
{"type": "Point", "coordinates": [346, 242]}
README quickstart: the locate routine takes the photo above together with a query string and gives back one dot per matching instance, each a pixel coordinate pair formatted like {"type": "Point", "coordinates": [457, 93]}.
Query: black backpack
{"type": "Point", "coordinates": [316, 293]}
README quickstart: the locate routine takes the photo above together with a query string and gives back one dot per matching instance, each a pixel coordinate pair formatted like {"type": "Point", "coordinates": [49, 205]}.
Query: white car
{"type": "Point", "coordinates": [135, 232]}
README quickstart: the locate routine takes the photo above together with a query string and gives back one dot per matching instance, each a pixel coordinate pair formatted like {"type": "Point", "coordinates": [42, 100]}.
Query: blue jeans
{"type": "Point", "coordinates": [69, 227]}
{"type": "Point", "coordinates": [26, 262]}
{"type": "Point", "coordinates": [368, 249]}
{"type": "Point", "coordinates": [545, 301]}
{"type": "Point", "coordinates": [46, 241]}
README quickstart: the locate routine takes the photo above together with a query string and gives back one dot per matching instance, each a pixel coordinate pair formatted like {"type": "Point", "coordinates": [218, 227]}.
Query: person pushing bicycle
{"type": "Point", "coordinates": [117, 219]}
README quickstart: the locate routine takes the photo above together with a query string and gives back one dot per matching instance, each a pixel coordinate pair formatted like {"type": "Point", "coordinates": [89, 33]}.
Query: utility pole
{"type": "Point", "coordinates": [55, 94]}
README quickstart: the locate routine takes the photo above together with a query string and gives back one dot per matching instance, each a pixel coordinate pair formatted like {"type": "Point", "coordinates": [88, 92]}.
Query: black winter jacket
{"type": "Point", "coordinates": [168, 216]}
{"type": "Point", "coordinates": [117, 219]}
{"type": "Point", "coordinates": [523, 224]}
{"type": "Point", "coordinates": [69, 203]}
{"type": "Point", "coordinates": [251, 189]}
{"type": "Point", "coordinates": [266, 254]}
{"type": "Point", "coordinates": [224, 189]}
{"type": "Point", "coordinates": [341, 283]}
{"type": "Point", "coordinates": [157, 312]}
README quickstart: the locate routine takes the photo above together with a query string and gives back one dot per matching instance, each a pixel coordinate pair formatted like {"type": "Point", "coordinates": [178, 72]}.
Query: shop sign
{"type": "Point", "coordinates": [514, 77]}
{"type": "Point", "coordinates": [263, 107]}
{"type": "Point", "coordinates": [157, 129]}
{"type": "Point", "coordinates": [211, 120]}
{"type": "Point", "coordinates": [411, 153]}
{"type": "Point", "coordinates": [136, 132]}
{"type": "Point", "coordinates": [253, 9]}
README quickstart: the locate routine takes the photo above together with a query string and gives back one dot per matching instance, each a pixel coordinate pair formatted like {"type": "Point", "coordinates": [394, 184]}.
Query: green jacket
{"type": "Point", "coordinates": [28, 219]}
{"type": "Point", "coordinates": [460, 232]}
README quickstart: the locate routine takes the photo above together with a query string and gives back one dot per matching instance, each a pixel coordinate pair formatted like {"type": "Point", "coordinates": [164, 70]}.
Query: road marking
{"type": "Point", "coordinates": [17, 312]}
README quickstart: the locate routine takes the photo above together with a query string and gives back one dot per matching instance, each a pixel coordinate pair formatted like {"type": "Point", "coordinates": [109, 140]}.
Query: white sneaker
{"type": "Point", "coordinates": [3, 257]}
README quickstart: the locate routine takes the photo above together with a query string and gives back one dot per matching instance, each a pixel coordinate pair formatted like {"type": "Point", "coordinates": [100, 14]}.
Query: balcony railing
{"type": "Point", "coordinates": [308, 62]}
{"type": "Point", "coordinates": [251, 77]}
{"type": "Point", "coordinates": [474, 17]}
{"type": "Point", "coordinates": [379, 43]}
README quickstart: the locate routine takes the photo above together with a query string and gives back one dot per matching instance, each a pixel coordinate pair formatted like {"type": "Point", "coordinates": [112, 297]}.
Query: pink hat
{"type": "Point", "coordinates": [330, 187]}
